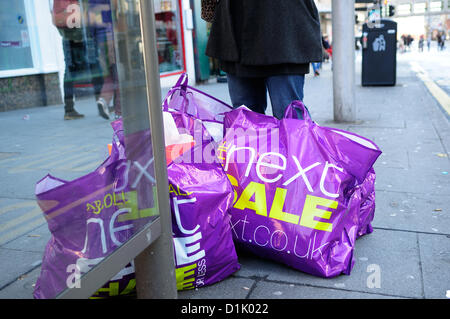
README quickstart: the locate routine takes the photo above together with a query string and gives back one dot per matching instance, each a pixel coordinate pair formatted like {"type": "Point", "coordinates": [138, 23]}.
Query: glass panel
{"type": "Point", "coordinates": [15, 51]}
{"type": "Point", "coordinates": [169, 40]}
{"type": "Point", "coordinates": [76, 159]}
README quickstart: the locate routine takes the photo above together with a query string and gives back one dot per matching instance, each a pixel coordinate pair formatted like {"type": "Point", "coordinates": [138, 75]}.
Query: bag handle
{"type": "Point", "coordinates": [118, 131]}
{"type": "Point", "coordinates": [291, 111]}
{"type": "Point", "coordinates": [188, 97]}
{"type": "Point", "coordinates": [183, 81]}
{"type": "Point", "coordinates": [180, 85]}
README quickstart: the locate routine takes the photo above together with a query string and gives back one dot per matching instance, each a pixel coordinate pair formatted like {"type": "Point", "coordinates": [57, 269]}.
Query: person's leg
{"type": "Point", "coordinates": [107, 90]}
{"type": "Point", "coordinates": [283, 89]}
{"type": "Point", "coordinates": [116, 98]}
{"type": "Point", "coordinates": [97, 83]}
{"type": "Point", "coordinates": [98, 80]}
{"type": "Point", "coordinates": [69, 104]}
{"type": "Point", "coordinates": [316, 68]}
{"type": "Point", "coordinates": [92, 47]}
{"type": "Point", "coordinates": [102, 104]}
{"type": "Point", "coordinates": [250, 92]}
{"type": "Point", "coordinates": [68, 81]}
{"type": "Point", "coordinates": [68, 92]}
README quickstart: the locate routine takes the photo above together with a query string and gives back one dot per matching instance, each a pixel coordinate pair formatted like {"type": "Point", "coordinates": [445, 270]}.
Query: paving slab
{"type": "Point", "coordinates": [269, 290]}
{"type": "Point", "coordinates": [33, 241]}
{"type": "Point", "coordinates": [392, 255]}
{"type": "Point", "coordinates": [435, 262]}
{"type": "Point", "coordinates": [412, 212]}
{"type": "Point", "coordinates": [391, 137]}
{"type": "Point", "coordinates": [18, 217]}
{"type": "Point", "coordinates": [23, 287]}
{"type": "Point", "coordinates": [15, 263]}
{"type": "Point", "coordinates": [231, 288]}
{"type": "Point", "coordinates": [22, 185]}
{"type": "Point", "coordinates": [412, 181]}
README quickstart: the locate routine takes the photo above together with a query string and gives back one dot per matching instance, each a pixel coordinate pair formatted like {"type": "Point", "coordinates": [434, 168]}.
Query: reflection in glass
{"type": "Point", "coordinates": [15, 51]}
{"type": "Point", "coordinates": [93, 199]}
{"type": "Point", "coordinates": [87, 35]}
{"type": "Point", "coordinates": [169, 42]}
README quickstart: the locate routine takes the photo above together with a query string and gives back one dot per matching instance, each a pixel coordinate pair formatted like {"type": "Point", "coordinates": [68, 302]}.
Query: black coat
{"type": "Point", "coordinates": [266, 32]}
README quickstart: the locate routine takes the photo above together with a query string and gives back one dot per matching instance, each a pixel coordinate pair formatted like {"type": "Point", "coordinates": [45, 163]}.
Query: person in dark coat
{"type": "Point", "coordinates": [265, 45]}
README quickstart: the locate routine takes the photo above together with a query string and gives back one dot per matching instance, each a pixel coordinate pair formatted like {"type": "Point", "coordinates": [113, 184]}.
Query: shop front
{"type": "Point", "coordinates": [30, 55]}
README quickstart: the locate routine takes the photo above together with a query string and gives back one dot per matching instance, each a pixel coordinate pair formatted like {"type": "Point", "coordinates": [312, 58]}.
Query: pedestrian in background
{"type": "Point", "coordinates": [409, 41]}
{"type": "Point", "coordinates": [439, 41]}
{"type": "Point", "coordinates": [328, 50]}
{"type": "Point", "coordinates": [100, 20]}
{"type": "Point", "coordinates": [421, 43]}
{"type": "Point", "coordinates": [443, 38]}
{"type": "Point", "coordinates": [265, 45]}
{"type": "Point", "coordinates": [81, 52]}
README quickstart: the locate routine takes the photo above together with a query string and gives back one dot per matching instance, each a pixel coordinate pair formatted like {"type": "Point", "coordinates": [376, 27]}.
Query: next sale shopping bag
{"type": "Point", "coordinates": [200, 197]}
{"type": "Point", "coordinates": [92, 216]}
{"type": "Point", "coordinates": [303, 193]}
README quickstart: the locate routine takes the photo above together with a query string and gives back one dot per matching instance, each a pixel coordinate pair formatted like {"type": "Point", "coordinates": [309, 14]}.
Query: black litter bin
{"type": "Point", "coordinates": [379, 53]}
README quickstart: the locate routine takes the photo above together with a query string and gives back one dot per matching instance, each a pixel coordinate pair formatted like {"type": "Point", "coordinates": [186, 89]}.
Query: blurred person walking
{"type": "Point", "coordinates": [327, 48]}
{"type": "Point", "coordinates": [272, 56]}
{"type": "Point", "coordinates": [404, 43]}
{"type": "Point", "coordinates": [443, 38]}
{"type": "Point", "coordinates": [409, 41]}
{"type": "Point", "coordinates": [81, 52]}
{"type": "Point", "coordinates": [439, 41]}
{"type": "Point", "coordinates": [100, 19]}
{"type": "Point", "coordinates": [421, 43]}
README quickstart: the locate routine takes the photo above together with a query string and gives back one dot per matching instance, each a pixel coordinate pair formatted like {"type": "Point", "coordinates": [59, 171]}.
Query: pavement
{"type": "Point", "coordinates": [409, 249]}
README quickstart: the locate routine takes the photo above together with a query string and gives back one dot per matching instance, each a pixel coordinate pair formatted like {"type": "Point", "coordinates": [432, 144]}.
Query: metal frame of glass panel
{"type": "Point", "coordinates": [152, 247]}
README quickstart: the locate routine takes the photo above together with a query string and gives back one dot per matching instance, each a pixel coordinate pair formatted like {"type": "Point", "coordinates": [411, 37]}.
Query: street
{"type": "Point", "coordinates": [410, 246]}
{"type": "Point", "coordinates": [435, 63]}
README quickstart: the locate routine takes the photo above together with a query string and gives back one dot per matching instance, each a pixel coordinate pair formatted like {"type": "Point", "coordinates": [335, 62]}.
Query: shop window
{"type": "Point", "coordinates": [15, 50]}
{"type": "Point", "coordinates": [436, 6]}
{"type": "Point", "coordinates": [169, 36]}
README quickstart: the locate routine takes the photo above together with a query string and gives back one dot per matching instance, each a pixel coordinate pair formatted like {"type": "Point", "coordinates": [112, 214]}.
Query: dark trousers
{"type": "Point", "coordinates": [78, 61]}
{"type": "Point", "coordinates": [252, 92]}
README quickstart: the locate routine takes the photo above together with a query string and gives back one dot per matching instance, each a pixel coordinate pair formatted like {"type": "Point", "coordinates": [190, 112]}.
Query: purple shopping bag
{"type": "Point", "coordinates": [302, 191]}
{"type": "Point", "coordinates": [201, 196]}
{"type": "Point", "coordinates": [91, 216]}
{"type": "Point", "coordinates": [200, 192]}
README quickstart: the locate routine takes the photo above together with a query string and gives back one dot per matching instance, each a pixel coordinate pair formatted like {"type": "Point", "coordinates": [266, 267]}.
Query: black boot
{"type": "Point", "coordinates": [70, 113]}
